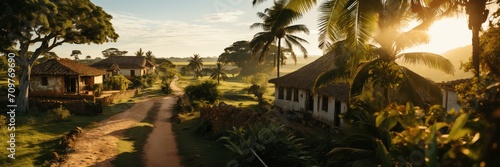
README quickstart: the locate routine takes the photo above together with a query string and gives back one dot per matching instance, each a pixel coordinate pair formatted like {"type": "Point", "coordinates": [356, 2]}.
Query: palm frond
{"type": "Point", "coordinates": [430, 60]}
{"type": "Point", "coordinates": [290, 46]}
{"type": "Point", "coordinates": [416, 88]}
{"type": "Point", "coordinates": [296, 41]}
{"type": "Point", "coordinates": [329, 31]}
{"type": "Point", "coordinates": [336, 75]}
{"type": "Point", "coordinates": [361, 76]}
{"type": "Point", "coordinates": [359, 22]}
{"type": "Point", "coordinates": [257, 25]}
{"type": "Point", "coordinates": [296, 28]}
{"type": "Point", "coordinates": [300, 6]}
{"type": "Point", "coordinates": [410, 39]}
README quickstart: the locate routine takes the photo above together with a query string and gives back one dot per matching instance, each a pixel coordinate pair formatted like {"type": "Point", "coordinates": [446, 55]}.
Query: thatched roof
{"type": "Point", "coordinates": [124, 62]}
{"type": "Point", "coordinates": [64, 67]}
{"type": "Point", "coordinates": [305, 77]}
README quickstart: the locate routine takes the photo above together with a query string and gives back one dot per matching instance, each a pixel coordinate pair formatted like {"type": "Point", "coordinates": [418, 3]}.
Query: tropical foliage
{"type": "Point", "coordinates": [276, 26]}
{"type": "Point", "coordinates": [239, 54]}
{"type": "Point", "coordinates": [258, 85]}
{"type": "Point", "coordinates": [195, 64]}
{"type": "Point", "coordinates": [361, 62]}
{"type": "Point", "coordinates": [266, 144]}
{"type": "Point", "coordinates": [117, 82]}
{"type": "Point", "coordinates": [205, 91]}
{"type": "Point", "coordinates": [113, 52]}
{"type": "Point", "coordinates": [218, 73]}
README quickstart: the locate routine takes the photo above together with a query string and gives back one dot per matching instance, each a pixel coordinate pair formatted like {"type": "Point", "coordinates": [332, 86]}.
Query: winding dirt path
{"type": "Point", "coordinates": [161, 148]}
{"type": "Point", "coordinates": [97, 146]}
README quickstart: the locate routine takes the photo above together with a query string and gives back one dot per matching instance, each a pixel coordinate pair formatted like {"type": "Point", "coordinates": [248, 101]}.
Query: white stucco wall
{"type": "Point", "coordinates": [450, 100]}
{"type": "Point", "coordinates": [289, 105]}
{"type": "Point", "coordinates": [126, 72]}
{"type": "Point", "coordinates": [98, 79]}
{"type": "Point", "coordinates": [319, 114]}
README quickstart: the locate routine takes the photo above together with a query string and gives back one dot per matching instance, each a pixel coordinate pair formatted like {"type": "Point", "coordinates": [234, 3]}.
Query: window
{"type": "Point", "coordinates": [296, 95]}
{"type": "Point", "coordinates": [324, 104]}
{"type": "Point", "coordinates": [45, 81]}
{"type": "Point", "coordinates": [281, 93]}
{"type": "Point", "coordinates": [289, 94]}
{"type": "Point", "coordinates": [132, 73]}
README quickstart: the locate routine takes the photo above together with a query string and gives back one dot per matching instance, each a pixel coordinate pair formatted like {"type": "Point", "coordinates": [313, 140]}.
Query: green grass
{"type": "Point", "coordinates": [130, 147]}
{"type": "Point", "coordinates": [36, 138]}
{"type": "Point", "coordinates": [196, 151]}
{"type": "Point", "coordinates": [232, 90]}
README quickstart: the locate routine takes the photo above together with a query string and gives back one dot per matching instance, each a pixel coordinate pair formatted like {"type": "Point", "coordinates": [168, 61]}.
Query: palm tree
{"type": "Point", "coordinates": [150, 56]}
{"type": "Point", "coordinates": [139, 52]}
{"type": "Point", "coordinates": [276, 26]}
{"type": "Point", "coordinates": [195, 64]}
{"type": "Point", "coordinates": [218, 73]}
{"type": "Point", "coordinates": [357, 24]}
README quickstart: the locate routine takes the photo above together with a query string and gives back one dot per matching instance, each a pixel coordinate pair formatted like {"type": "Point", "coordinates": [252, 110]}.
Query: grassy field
{"type": "Point", "coordinates": [36, 137]}
{"type": "Point", "coordinates": [232, 90]}
{"type": "Point", "coordinates": [196, 151]}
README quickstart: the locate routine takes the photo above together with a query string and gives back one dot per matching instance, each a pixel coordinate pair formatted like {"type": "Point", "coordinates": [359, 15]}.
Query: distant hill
{"type": "Point", "coordinates": [457, 55]}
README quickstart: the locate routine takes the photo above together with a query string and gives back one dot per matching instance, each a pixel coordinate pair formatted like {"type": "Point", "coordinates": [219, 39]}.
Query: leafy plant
{"type": "Point", "coordinates": [205, 91]}
{"type": "Point", "coordinates": [166, 89]}
{"type": "Point", "coordinates": [118, 82]}
{"type": "Point", "coordinates": [59, 114]}
{"type": "Point", "coordinates": [97, 89]}
{"type": "Point", "coordinates": [266, 144]}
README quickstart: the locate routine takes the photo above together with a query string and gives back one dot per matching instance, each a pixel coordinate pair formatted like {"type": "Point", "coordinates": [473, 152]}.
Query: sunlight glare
{"type": "Point", "coordinates": [446, 34]}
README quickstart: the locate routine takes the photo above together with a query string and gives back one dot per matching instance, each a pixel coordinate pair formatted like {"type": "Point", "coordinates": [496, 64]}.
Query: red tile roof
{"type": "Point", "coordinates": [61, 66]}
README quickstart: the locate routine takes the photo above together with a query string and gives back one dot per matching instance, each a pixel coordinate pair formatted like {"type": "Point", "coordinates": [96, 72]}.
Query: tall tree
{"type": "Point", "coordinates": [46, 56]}
{"type": "Point", "coordinates": [476, 9]}
{"type": "Point", "coordinates": [365, 21]}
{"type": "Point", "coordinates": [150, 56]}
{"type": "Point", "coordinates": [218, 72]}
{"type": "Point", "coordinates": [139, 52]}
{"type": "Point", "coordinates": [75, 54]}
{"type": "Point", "coordinates": [113, 52]}
{"type": "Point", "coordinates": [46, 25]}
{"type": "Point", "coordinates": [239, 54]}
{"type": "Point", "coordinates": [276, 26]}
{"type": "Point", "coordinates": [195, 63]}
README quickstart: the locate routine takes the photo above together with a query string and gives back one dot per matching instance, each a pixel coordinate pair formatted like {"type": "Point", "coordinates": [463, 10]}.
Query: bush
{"type": "Point", "coordinates": [166, 89]}
{"type": "Point", "coordinates": [118, 82]}
{"type": "Point", "coordinates": [97, 89]}
{"type": "Point", "coordinates": [274, 144]}
{"type": "Point", "coordinates": [59, 114]}
{"type": "Point", "coordinates": [205, 91]}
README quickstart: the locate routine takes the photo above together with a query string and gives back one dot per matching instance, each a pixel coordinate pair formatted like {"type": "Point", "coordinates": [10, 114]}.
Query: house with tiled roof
{"type": "Point", "coordinates": [63, 77]}
{"type": "Point", "coordinates": [128, 66]}
{"type": "Point", "coordinates": [293, 92]}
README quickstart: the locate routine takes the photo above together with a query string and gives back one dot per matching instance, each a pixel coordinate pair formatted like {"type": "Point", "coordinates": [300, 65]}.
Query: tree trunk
{"type": "Point", "coordinates": [278, 58]}
{"type": "Point", "coordinates": [24, 81]}
{"type": "Point", "coordinates": [475, 50]}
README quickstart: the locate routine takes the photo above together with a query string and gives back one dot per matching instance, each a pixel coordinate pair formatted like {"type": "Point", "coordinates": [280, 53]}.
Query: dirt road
{"type": "Point", "coordinates": [97, 147]}
{"type": "Point", "coordinates": [161, 149]}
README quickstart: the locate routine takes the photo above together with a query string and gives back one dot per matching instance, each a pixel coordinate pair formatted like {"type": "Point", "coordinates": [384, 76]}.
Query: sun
{"type": "Point", "coordinates": [446, 34]}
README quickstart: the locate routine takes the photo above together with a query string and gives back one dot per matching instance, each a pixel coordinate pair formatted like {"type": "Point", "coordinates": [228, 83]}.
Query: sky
{"type": "Point", "coordinates": [182, 28]}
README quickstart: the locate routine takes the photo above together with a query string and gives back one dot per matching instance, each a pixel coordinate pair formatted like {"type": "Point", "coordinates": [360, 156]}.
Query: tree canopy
{"type": "Point", "coordinates": [113, 52]}
{"type": "Point", "coordinates": [46, 25]}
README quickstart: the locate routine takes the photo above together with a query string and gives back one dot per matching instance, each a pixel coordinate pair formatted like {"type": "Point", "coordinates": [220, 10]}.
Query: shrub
{"type": "Point", "coordinates": [166, 89]}
{"type": "Point", "coordinates": [270, 142]}
{"type": "Point", "coordinates": [97, 89]}
{"type": "Point", "coordinates": [59, 114]}
{"type": "Point", "coordinates": [205, 91]}
{"type": "Point", "coordinates": [118, 82]}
